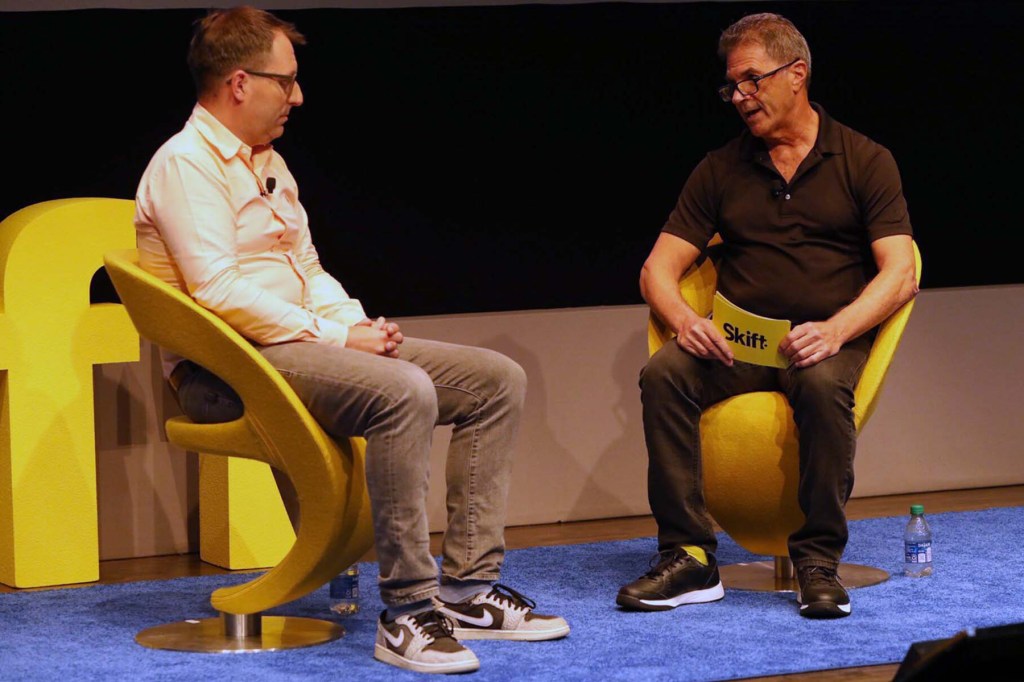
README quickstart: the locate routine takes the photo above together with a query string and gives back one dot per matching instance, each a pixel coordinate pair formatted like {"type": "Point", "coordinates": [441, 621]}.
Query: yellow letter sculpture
{"type": "Point", "coordinates": [50, 338]}
{"type": "Point", "coordinates": [242, 520]}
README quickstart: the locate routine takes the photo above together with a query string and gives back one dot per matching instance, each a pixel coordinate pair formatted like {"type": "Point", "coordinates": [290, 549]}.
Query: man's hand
{"type": "Point", "coordinates": [809, 343]}
{"type": "Point", "coordinates": [895, 284]}
{"type": "Point", "coordinates": [700, 338]}
{"type": "Point", "coordinates": [379, 337]}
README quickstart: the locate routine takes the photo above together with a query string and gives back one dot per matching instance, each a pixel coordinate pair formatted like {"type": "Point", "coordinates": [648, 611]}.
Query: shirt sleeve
{"type": "Point", "coordinates": [880, 193]}
{"type": "Point", "coordinates": [194, 216]}
{"type": "Point", "coordinates": [330, 300]}
{"type": "Point", "coordinates": [695, 216]}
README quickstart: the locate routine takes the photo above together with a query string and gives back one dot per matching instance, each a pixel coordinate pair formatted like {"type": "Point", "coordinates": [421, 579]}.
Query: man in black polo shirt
{"type": "Point", "coordinates": [815, 230]}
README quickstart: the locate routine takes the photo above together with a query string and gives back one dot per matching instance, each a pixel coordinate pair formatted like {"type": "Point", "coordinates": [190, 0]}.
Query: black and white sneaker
{"type": "Point", "coordinates": [422, 642]}
{"type": "Point", "coordinates": [676, 579]}
{"type": "Point", "coordinates": [821, 594]}
{"type": "Point", "coordinates": [501, 613]}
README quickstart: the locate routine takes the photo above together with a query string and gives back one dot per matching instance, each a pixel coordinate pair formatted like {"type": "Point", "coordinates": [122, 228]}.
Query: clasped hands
{"type": "Point", "coordinates": [379, 337]}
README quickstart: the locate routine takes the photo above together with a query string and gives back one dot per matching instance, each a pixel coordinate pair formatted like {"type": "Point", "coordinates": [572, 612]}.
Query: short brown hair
{"type": "Point", "coordinates": [777, 34]}
{"type": "Point", "coordinates": [229, 39]}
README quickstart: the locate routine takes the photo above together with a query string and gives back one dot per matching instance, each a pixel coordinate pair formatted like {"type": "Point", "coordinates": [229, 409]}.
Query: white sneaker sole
{"type": "Point", "coordinates": [385, 655]}
{"type": "Point", "coordinates": [554, 632]}
{"type": "Point", "coordinates": [824, 609]}
{"type": "Point", "coordinates": [695, 597]}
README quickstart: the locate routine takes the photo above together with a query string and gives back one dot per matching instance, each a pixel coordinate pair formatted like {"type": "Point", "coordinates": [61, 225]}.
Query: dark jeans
{"type": "Point", "coordinates": [676, 387]}
{"type": "Point", "coordinates": [202, 396]}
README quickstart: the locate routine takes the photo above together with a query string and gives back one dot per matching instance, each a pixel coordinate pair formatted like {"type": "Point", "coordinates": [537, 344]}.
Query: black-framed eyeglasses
{"type": "Point", "coordinates": [748, 86]}
{"type": "Point", "coordinates": [286, 81]}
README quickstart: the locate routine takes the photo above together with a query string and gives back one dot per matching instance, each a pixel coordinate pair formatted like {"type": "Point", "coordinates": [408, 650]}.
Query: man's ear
{"type": "Point", "coordinates": [239, 83]}
{"type": "Point", "coordinates": [798, 75]}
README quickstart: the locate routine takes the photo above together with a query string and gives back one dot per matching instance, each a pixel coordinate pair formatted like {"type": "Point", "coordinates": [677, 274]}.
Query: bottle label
{"type": "Point", "coordinates": [918, 553]}
{"type": "Point", "coordinates": [345, 587]}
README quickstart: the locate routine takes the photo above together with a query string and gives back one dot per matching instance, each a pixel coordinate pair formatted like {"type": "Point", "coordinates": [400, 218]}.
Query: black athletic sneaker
{"type": "Point", "coordinates": [677, 579]}
{"type": "Point", "coordinates": [501, 613]}
{"type": "Point", "coordinates": [422, 642]}
{"type": "Point", "coordinates": [821, 594]}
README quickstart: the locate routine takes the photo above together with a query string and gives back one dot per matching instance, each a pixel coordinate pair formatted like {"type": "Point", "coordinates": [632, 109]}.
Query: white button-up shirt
{"type": "Point", "coordinates": [206, 223]}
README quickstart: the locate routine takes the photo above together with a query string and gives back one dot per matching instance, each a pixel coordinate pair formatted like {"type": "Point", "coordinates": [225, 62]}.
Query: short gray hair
{"type": "Point", "coordinates": [777, 34]}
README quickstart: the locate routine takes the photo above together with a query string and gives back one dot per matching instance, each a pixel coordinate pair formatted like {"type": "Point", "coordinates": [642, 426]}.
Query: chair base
{"type": "Point", "coordinates": [779, 576]}
{"type": "Point", "coordinates": [233, 634]}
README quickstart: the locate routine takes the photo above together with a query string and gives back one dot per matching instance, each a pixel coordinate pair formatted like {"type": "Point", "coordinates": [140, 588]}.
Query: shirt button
{"type": "Point", "coordinates": [787, 197]}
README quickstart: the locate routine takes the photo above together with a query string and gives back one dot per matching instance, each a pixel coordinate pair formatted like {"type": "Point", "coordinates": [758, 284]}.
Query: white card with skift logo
{"type": "Point", "coordinates": [752, 338]}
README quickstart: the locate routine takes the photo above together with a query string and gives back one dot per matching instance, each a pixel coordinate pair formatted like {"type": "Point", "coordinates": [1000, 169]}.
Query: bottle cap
{"type": "Point", "coordinates": [917, 509]}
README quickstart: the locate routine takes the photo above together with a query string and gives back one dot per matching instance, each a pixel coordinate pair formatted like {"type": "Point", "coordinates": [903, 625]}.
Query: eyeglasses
{"type": "Point", "coordinates": [748, 86]}
{"type": "Point", "coordinates": [287, 82]}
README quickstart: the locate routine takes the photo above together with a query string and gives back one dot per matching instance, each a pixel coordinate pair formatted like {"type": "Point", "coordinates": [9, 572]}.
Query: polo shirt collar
{"type": "Point", "coordinates": [830, 139]}
{"type": "Point", "coordinates": [828, 142]}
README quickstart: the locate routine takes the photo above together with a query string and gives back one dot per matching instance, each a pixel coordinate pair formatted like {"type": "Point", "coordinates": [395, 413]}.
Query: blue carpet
{"type": "Point", "coordinates": [88, 633]}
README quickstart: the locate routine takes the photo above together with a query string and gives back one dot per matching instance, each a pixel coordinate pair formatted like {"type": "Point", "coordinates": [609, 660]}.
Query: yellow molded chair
{"type": "Point", "coordinates": [335, 527]}
{"type": "Point", "coordinates": [751, 457]}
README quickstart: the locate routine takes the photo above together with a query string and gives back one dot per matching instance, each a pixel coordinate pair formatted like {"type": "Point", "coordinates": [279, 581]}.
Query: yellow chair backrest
{"type": "Point", "coordinates": [276, 428]}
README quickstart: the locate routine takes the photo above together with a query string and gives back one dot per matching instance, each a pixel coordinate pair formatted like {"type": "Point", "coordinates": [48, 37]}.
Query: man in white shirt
{"type": "Point", "coordinates": [218, 216]}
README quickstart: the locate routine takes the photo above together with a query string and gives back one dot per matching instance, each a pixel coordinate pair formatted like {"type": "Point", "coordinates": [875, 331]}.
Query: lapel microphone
{"type": "Point", "coordinates": [270, 185]}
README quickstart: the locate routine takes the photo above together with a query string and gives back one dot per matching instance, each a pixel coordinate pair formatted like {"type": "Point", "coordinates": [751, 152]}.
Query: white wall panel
{"type": "Point", "coordinates": [949, 416]}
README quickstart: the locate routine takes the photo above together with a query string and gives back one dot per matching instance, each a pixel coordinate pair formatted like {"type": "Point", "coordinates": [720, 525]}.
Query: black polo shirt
{"type": "Point", "coordinates": [798, 251]}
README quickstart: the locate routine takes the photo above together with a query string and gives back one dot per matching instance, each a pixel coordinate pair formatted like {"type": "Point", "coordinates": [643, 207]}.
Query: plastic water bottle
{"type": "Point", "coordinates": [917, 544]}
{"type": "Point", "coordinates": [344, 591]}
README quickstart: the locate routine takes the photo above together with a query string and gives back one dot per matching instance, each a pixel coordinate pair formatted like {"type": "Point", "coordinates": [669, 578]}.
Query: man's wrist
{"type": "Point", "coordinates": [332, 333]}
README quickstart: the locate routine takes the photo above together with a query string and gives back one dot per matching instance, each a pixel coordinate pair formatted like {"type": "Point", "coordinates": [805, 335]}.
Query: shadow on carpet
{"type": "Point", "coordinates": [88, 633]}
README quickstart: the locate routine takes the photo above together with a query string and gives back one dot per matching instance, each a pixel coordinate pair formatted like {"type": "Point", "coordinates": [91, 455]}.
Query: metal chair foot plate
{"type": "Point", "coordinates": [761, 576]}
{"type": "Point", "coordinates": [207, 635]}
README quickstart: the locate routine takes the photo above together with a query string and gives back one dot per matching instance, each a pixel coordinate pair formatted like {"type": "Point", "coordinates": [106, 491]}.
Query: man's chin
{"type": "Point", "coordinates": [755, 124]}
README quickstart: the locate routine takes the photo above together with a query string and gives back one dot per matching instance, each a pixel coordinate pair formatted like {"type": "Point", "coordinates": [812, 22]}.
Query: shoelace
{"type": "Point", "coordinates": [666, 559]}
{"type": "Point", "coordinates": [820, 574]}
{"type": "Point", "coordinates": [505, 594]}
{"type": "Point", "coordinates": [430, 622]}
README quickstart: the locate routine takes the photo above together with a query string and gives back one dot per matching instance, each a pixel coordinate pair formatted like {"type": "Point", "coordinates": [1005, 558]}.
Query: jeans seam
{"type": "Point", "coordinates": [697, 473]}
{"type": "Point", "coordinates": [329, 380]}
{"type": "Point", "coordinates": [471, 515]}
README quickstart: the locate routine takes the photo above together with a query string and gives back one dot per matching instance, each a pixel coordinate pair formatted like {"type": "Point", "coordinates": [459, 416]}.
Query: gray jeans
{"type": "Point", "coordinates": [395, 404]}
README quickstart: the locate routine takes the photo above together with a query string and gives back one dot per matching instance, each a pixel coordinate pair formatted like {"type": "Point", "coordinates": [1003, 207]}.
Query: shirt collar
{"type": "Point", "coordinates": [830, 139]}
{"type": "Point", "coordinates": [828, 142]}
{"type": "Point", "coordinates": [220, 138]}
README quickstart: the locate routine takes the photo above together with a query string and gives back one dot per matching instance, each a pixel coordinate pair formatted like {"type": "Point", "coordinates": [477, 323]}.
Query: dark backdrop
{"type": "Point", "coordinates": [466, 159]}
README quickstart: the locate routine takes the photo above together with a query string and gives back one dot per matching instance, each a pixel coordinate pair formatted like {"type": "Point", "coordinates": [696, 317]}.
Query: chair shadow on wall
{"type": "Point", "coordinates": [606, 480]}
{"type": "Point", "coordinates": [603, 492]}
{"type": "Point", "coordinates": [137, 462]}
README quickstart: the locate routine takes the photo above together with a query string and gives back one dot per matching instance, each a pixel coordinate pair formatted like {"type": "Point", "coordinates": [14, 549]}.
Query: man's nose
{"type": "Point", "coordinates": [295, 99]}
